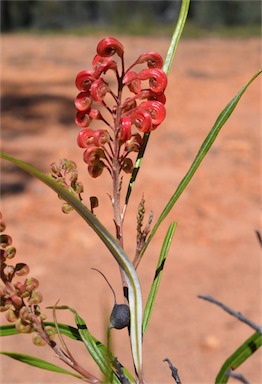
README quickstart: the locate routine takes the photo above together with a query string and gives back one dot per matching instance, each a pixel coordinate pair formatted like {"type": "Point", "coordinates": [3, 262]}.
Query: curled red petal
{"type": "Point", "coordinates": [153, 59]}
{"type": "Point", "coordinates": [109, 46]}
{"type": "Point", "coordinates": [83, 101]}
{"type": "Point", "coordinates": [85, 138]}
{"type": "Point", "coordinates": [82, 119]}
{"type": "Point", "coordinates": [102, 65]}
{"type": "Point", "coordinates": [84, 80]}
{"type": "Point", "coordinates": [101, 137]}
{"type": "Point", "coordinates": [95, 114]}
{"type": "Point", "coordinates": [93, 154]}
{"type": "Point", "coordinates": [142, 120]}
{"type": "Point", "coordinates": [157, 79]}
{"type": "Point", "coordinates": [156, 110]}
{"type": "Point", "coordinates": [125, 133]}
{"type": "Point", "coordinates": [98, 89]}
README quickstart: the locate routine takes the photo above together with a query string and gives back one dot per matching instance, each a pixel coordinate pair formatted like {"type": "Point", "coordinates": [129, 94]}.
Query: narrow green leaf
{"type": "Point", "coordinates": [134, 290]}
{"type": "Point", "coordinates": [159, 270]}
{"type": "Point", "coordinates": [166, 68]}
{"type": "Point", "coordinates": [249, 347]}
{"type": "Point", "coordinates": [34, 361]}
{"type": "Point", "coordinates": [222, 118]}
{"type": "Point", "coordinates": [176, 35]}
{"type": "Point", "coordinates": [69, 331]}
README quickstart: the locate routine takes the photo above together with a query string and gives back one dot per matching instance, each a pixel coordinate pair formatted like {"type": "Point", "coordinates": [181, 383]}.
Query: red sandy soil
{"type": "Point", "coordinates": [214, 251]}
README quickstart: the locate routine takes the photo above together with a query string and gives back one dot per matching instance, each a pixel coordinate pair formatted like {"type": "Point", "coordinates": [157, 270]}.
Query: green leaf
{"type": "Point", "coordinates": [221, 120]}
{"type": "Point", "coordinates": [69, 331]}
{"type": "Point", "coordinates": [159, 270]}
{"type": "Point", "coordinates": [99, 352]}
{"type": "Point", "coordinates": [34, 361]}
{"type": "Point", "coordinates": [249, 347]}
{"type": "Point", "coordinates": [166, 68]}
{"type": "Point", "coordinates": [134, 290]}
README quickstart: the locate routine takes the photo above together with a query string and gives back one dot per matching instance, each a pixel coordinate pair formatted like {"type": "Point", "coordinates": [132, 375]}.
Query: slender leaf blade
{"type": "Point", "coordinates": [166, 68]}
{"type": "Point", "coordinates": [241, 354]}
{"type": "Point", "coordinates": [206, 145]}
{"type": "Point", "coordinates": [39, 363]}
{"type": "Point", "coordinates": [157, 278]}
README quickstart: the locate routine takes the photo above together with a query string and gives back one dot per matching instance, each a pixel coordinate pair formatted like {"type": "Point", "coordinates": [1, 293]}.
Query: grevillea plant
{"type": "Point", "coordinates": [127, 109]}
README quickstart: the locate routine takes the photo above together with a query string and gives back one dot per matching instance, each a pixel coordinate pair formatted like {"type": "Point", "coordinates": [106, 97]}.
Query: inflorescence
{"type": "Point", "coordinates": [126, 118]}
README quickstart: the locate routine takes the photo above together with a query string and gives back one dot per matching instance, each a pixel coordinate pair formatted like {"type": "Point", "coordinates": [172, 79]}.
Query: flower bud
{"type": "Point", "coordinates": [153, 59]}
{"type": "Point", "coordinates": [134, 144]}
{"type": "Point", "coordinates": [96, 170]}
{"type": "Point", "coordinates": [98, 89]}
{"type": "Point", "coordinates": [22, 327]}
{"type": "Point", "coordinates": [93, 154]}
{"type": "Point", "coordinates": [24, 313]}
{"type": "Point", "coordinates": [82, 119]}
{"type": "Point", "coordinates": [67, 208]}
{"type": "Point", "coordinates": [10, 252]}
{"type": "Point", "coordinates": [31, 284]}
{"type": "Point", "coordinates": [9, 271]}
{"type": "Point", "coordinates": [5, 240]}
{"type": "Point", "coordinates": [109, 46]}
{"type": "Point", "coordinates": [16, 300]}
{"type": "Point", "coordinates": [38, 341]}
{"type": "Point", "coordinates": [50, 331]}
{"type": "Point", "coordinates": [83, 101]}
{"type": "Point", "coordinates": [101, 137]}
{"type": "Point", "coordinates": [84, 80]}
{"type": "Point", "coordinates": [11, 316]}
{"type": "Point", "coordinates": [36, 298]}
{"type": "Point", "coordinates": [21, 269]}
{"type": "Point", "coordinates": [20, 287]}
{"type": "Point", "coordinates": [128, 165]}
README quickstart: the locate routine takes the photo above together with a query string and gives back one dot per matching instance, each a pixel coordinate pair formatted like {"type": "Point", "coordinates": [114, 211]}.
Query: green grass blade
{"type": "Point", "coordinates": [159, 270]}
{"type": "Point", "coordinates": [222, 118]}
{"type": "Point", "coordinates": [249, 347]}
{"type": "Point", "coordinates": [176, 36]}
{"type": "Point", "coordinates": [67, 330]}
{"type": "Point", "coordinates": [134, 290]}
{"type": "Point", "coordinates": [166, 68]}
{"type": "Point", "coordinates": [39, 363]}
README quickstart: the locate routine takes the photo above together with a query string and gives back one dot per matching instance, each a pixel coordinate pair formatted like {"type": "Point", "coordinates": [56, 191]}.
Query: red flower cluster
{"type": "Point", "coordinates": [125, 118]}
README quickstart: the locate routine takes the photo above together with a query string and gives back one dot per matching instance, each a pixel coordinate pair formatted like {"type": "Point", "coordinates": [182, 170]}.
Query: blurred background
{"type": "Point", "coordinates": [215, 251]}
{"type": "Point", "coordinates": [135, 17]}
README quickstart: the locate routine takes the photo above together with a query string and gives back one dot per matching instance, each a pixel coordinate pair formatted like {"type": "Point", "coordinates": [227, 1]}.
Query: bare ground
{"type": "Point", "coordinates": [215, 250]}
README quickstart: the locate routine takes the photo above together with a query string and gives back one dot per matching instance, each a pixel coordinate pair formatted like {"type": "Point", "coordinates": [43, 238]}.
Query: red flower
{"type": "Point", "coordinates": [157, 79]}
{"type": "Point", "coordinates": [84, 80]}
{"type": "Point", "coordinates": [83, 101]}
{"type": "Point", "coordinates": [153, 59]}
{"type": "Point", "coordinates": [109, 46]}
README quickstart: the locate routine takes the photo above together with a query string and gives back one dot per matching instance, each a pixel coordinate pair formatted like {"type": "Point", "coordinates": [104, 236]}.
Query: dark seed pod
{"type": "Point", "coordinates": [120, 315]}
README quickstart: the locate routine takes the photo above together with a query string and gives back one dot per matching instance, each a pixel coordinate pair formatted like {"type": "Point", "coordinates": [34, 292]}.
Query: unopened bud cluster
{"type": "Point", "coordinates": [65, 173]}
{"type": "Point", "coordinates": [19, 299]}
{"type": "Point", "coordinates": [135, 107]}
